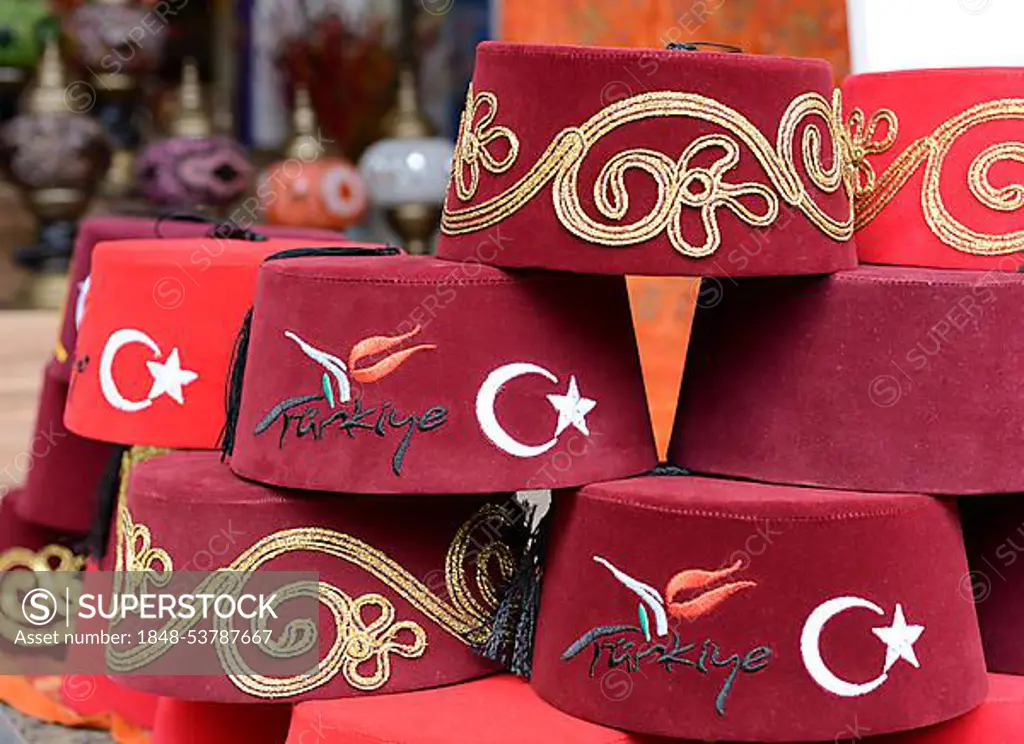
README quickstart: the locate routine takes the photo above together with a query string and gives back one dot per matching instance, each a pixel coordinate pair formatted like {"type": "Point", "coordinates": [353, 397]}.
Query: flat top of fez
{"type": "Point", "coordinates": [720, 61]}
{"type": "Point", "coordinates": [211, 250]}
{"type": "Point", "coordinates": [199, 477]}
{"type": "Point", "coordinates": [962, 75]}
{"type": "Point", "coordinates": [745, 500]}
{"type": "Point", "coordinates": [412, 270]}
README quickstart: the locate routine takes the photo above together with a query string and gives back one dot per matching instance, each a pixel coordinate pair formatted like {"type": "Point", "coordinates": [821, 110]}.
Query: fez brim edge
{"type": "Point", "coordinates": [488, 483]}
{"type": "Point", "coordinates": [939, 488]}
{"type": "Point", "coordinates": [156, 685]}
{"type": "Point", "coordinates": [827, 733]}
{"type": "Point", "coordinates": [571, 255]}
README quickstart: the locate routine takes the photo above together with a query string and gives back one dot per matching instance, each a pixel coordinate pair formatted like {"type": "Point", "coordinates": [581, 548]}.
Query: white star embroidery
{"type": "Point", "coordinates": [572, 408]}
{"type": "Point", "coordinates": [899, 639]}
{"type": "Point", "coordinates": [169, 378]}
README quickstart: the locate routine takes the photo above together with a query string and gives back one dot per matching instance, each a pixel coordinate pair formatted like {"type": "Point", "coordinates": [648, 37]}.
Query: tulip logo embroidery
{"type": "Point", "coordinates": [689, 595]}
{"type": "Point", "coordinates": [348, 415]}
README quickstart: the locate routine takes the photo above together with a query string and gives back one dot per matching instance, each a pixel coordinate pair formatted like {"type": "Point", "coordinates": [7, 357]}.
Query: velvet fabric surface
{"type": "Point", "coordinates": [185, 722]}
{"type": "Point", "coordinates": [496, 710]}
{"type": "Point", "coordinates": [505, 710]}
{"type": "Point", "coordinates": [94, 230]}
{"type": "Point", "coordinates": [29, 539]}
{"type": "Point", "coordinates": [418, 376]}
{"type": "Point", "coordinates": [994, 534]}
{"type": "Point", "coordinates": [66, 469]}
{"type": "Point", "coordinates": [623, 161]}
{"type": "Point", "coordinates": [702, 608]}
{"type": "Point", "coordinates": [878, 379]}
{"type": "Point", "coordinates": [404, 566]}
{"type": "Point", "coordinates": [154, 347]}
{"type": "Point", "coordinates": [937, 158]}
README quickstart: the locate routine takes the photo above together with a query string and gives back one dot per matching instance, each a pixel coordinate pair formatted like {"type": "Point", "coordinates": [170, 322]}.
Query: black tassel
{"type": "Point", "coordinates": [664, 469]}
{"type": "Point", "coordinates": [106, 505]}
{"type": "Point", "coordinates": [233, 395]}
{"type": "Point", "coordinates": [510, 642]}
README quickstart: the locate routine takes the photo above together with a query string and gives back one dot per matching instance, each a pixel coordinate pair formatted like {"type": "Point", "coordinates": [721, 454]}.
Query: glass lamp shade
{"type": "Point", "coordinates": [114, 39]}
{"type": "Point", "coordinates": [191, 172]}
{"type": "Point", "coordinates": [57, 150]}
{"type": "Point", "coordinates": [327, 193]}
{"type": "Point", "coordinates": [407, 171]}
{"type": "Point", "coordinates": [22, 24]}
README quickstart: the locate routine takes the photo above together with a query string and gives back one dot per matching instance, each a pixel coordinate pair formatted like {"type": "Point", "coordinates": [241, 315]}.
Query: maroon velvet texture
{"type": "Point", "coordinates": [205, 517]}
{"type": "Point", "coordinates": [96, 230]}
{"type": "Point", "coordinates": [183, 722]}
{"type": "Point", "coordinates": [65, 469]}
{"type": "Point", "coordinates": [542, 91]}
{"type": "Point", "coordinates": [762, 581]}
{"type": "Point", "coordinates": [923, 101]}
{"type": "Point", "coordinates": [994, 534]}
{"type": "Point", "coordinates": [16, 532]}
{"type": "Point", "coordinates": [878, 379]}
{"type": "Point", "coordinates": [486, 361]}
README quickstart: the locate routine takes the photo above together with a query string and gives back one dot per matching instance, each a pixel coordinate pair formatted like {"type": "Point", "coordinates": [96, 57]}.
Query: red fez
{"type": "Point", "coordinates": [154, 348]}
{"type": "Point", "coordinates": [994, 534]}
{"type": "Point", "coordinates": [936, 157]}
{"type": "Point", "coordinates": [180, 721]}
{"type": "Point", "coordinates": [623, 161]}
{"type": "Point", "coordinates": [413, 375]}
{"type": "Point", "coordinates": [496, 710]}
{"type": "Point", "coordinates": [26, 545]}
{"type": "Point", "coordinates": [65, 469]}
{"type": "Point", "coordinates": [413, 582]}
{"type": "Point", "coordinates": [95, 230]}
{"type": "Point", "coordinates": [878, 379]}
{"type": "Point", "coordinates": [700, 608]}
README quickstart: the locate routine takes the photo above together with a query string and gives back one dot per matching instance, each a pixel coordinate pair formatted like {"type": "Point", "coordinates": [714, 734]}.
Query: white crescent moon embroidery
{"type": "Point", "coordinates": [899, 639]}
{"type": "Point", "coordinates": [572, 409]}
{"type": "Point", "coordinates": [168, 377]}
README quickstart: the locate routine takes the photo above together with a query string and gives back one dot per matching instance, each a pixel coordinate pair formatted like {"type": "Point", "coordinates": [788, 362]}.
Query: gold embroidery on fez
{"type": "Point", "coordinates": [466, 616]}
{"type": "Point", "coordinates": [680, 184]}
{"type": "Point", "coordinates": [474, 141]}
{"type": "Point", "coordinates": [932, 150]}
{"type": "Point", "coordinates": [53, 568]}
{"type": "Point", "coordinates": [135, 557]}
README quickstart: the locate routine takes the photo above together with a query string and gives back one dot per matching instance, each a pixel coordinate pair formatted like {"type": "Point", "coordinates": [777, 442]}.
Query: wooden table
{"type": "Point", "coordinates": [26, 343]}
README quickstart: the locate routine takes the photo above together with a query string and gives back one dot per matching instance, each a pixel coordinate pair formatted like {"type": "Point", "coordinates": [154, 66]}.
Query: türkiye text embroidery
{"type": "Point", "coordinates": [664, 646]}
{"type": "Point", "coordinates": [680, 184]}
{"type": "Point", "coordinates": [875, 193]}
{"type": "Point", "coordinates": [361, 650]}
{"type": "Point", "coordinates": [305, 415]}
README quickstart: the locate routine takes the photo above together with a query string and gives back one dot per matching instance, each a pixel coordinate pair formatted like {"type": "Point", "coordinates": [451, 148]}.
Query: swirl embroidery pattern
{"type": "Point", "coordinates": [680, 184]}
{"type": "Point", "coordinates": [932, 151]}
{"type": "Point", "coordinates": [358, 643]}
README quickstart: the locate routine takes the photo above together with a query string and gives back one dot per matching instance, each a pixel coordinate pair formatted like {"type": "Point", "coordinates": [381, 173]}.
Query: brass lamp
{"type": "Point", "coordinates": [55, 157]}
{"type": "Point", "coordinates": [117, 42]}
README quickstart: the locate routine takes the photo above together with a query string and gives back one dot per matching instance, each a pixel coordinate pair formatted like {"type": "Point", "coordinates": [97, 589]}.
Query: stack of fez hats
{"type": "Point", "coordinates": [795, 573]}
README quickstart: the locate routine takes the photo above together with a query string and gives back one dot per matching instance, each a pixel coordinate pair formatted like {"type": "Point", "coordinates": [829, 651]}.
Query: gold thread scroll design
{"type": "Point", "coordinates": [675, 179]}
{"type": "Point", "coordinates": [473, 149]}
{"type": "Point", "coordinates": [931, 151]}
{"type": "Point", "coordinates": [52, 567]}
{"type": "Point", "coordinates": [135, 558]}
{"type": "Point", "coordinates": [466, 616]}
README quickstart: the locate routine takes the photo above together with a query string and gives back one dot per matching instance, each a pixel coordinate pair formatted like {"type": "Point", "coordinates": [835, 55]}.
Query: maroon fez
{"type": "Point", "coordinates": [408, 587]}
{"type": "Point", "coordinates": [877, 379]}
{"type": "Point", "coordinates": [412, 375]}
{"type": "Point", "coordinates": [65, 469]}
{"type": "Point", "coordinates": [718, 603]}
